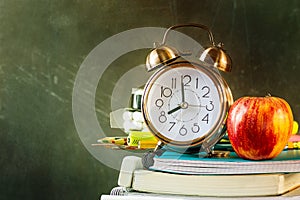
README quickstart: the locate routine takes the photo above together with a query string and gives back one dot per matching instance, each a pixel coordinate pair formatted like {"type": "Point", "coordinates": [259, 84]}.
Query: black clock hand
{"type": "Point", "coordinates": [182, 99]}
{"type": "Point", "coordinates": [174, 110]}
{"type": "Point", "coordinates": [182, 91]}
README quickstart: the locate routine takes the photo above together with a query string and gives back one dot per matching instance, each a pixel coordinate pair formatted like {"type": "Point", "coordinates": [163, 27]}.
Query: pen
{"type": "Point", "coordinates": [135, 136]}
{"type": "Point", "coordinates": [147, 144]}
{"type": "Point", "coordinates": [113, 140]}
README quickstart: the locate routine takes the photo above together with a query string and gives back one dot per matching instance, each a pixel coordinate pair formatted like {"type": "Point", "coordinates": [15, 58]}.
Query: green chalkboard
{"type": "Point", "coordinates": [44, 43]}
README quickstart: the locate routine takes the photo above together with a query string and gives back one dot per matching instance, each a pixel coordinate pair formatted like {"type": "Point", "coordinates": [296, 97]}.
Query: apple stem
{"type": "Point", "coordinates": [268, 95]}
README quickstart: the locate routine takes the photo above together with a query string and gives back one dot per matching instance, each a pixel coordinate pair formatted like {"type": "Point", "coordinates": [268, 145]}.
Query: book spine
{"type": "Point", "coordinates": [128, 166]}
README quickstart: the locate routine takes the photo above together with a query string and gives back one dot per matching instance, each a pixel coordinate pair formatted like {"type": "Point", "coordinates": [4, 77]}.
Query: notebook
{"type": "Point", "coordinates": [286, 162]}
{"type": "Point", "coordinates": [134, 179]}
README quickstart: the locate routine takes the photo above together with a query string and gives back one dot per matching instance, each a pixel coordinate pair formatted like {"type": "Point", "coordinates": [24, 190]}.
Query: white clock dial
{"type": "Point", "coordinates": [182, 103]}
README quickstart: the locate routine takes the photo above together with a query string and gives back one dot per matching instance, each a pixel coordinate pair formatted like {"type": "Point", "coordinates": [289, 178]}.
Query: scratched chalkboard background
{"type": "Point", "coordinates": [43, 43]}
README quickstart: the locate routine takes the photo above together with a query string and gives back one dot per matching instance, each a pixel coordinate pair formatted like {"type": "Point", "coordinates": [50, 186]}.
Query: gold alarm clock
{"type": "Point", "coordinates": [185, 103]}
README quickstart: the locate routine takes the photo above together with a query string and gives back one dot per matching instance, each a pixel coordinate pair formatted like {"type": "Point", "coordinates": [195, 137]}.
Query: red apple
{"type": "Point", "coordinates": [259, 127]}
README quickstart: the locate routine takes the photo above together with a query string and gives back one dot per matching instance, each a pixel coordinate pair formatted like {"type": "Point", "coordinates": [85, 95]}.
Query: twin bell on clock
{"type": "Point", "coordinates": [185, 103]}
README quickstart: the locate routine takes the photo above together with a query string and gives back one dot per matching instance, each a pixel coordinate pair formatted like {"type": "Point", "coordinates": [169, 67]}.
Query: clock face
{"type": "Point", "coordinates": [182, 103]}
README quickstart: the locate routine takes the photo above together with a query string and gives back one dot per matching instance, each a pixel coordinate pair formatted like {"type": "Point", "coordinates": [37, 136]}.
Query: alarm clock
{"type": "Point", "coordinates": [185, 103]}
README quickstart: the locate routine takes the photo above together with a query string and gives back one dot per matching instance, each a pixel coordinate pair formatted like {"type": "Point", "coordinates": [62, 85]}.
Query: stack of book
{"type": "Point", "coordinates": [190, 176]}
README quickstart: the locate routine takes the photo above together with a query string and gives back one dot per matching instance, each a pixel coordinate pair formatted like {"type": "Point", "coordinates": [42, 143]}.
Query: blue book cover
{"type": "Point", "coordinates": [170, 161]}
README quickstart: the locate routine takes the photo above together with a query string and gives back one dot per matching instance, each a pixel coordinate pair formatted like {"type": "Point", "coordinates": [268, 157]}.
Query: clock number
{"type": "Point", "coordinates": [159, 103]}
{"type": "Point", "coordinates": [173, 83]}
{"type": "Point", "coordinates": [186, 79]}
{"type": "Point", "coordinates": [197, 82]}
{"type": "Point", "coordinates": [206, 90]}
{"type": "Point", "coordinates": [196, 128]}
{"type": "Point", "coordinates": [210, 106]}
{"type": "Point", "coordinates": [183, 131]}
{"type": "Point", "coordinates": [162, 118]}
{"type": "Point", "coordinates": [172, 125]}
{"type": "Point", "coordinates": [205, 118]}
{"type": "Point", "coordinates": [165, 92]}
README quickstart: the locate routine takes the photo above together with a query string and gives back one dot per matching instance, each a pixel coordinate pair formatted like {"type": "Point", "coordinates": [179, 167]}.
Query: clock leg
{"type": "Point", "coordinates": [147, 159]}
